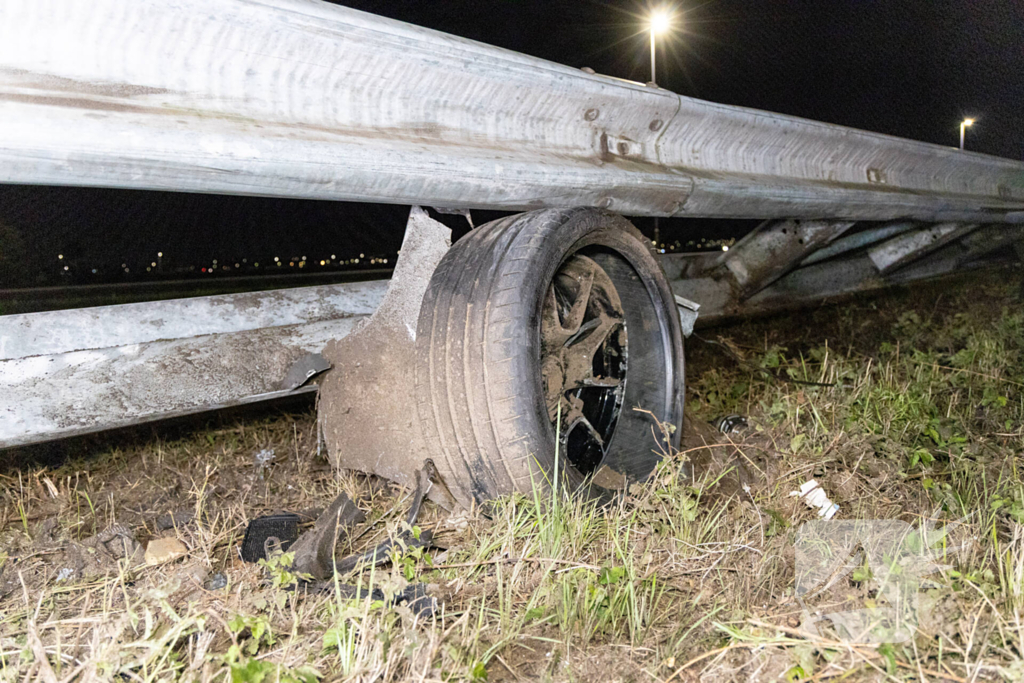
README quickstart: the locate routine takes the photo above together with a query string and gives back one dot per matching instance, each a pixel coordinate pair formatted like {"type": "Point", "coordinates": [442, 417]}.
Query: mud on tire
{"type": "Point", "coordinates": [542, 328]}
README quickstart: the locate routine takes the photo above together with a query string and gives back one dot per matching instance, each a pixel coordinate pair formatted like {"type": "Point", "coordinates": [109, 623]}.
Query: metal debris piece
{"type": "Point", "coordinates": [688, 312]}
{"type": "Point", "coordinates": [465, 213]}
{"type": "Point", "coordinates": [774, 249]}
{"type": "Point", "coordinates": [382, 553]}
{"type": "Point", "coordinates": [858, 240]}
{"type": "Point", "coordinates": [909, 247]}
{"type": "Point", "coordinates": [303, 370]}
{"type": "Point", "coordinates": [368, 425]}
{"type": "Point", "coordinates": [282, 527]}
{"type": "Point", "coordinates": [422, 488]}
{"type": "Point", "coordinates": [117, 541]}
{"type": "Point", "coordinates": [314, 550]}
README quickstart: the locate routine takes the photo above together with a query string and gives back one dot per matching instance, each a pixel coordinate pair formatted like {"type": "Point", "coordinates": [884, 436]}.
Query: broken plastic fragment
{"type": "Point", "coordinates": [283, 527]}
{"type": "Point", "coordinates": [816, 498]}
{"type": "Point", "coordinates": [731, 424]}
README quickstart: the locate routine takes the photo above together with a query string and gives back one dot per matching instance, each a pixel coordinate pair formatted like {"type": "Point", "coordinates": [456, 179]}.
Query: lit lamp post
{"type": "Point", "coordinates": [963, 127]}
{"type": "Point", "coordinates": [660, 23]}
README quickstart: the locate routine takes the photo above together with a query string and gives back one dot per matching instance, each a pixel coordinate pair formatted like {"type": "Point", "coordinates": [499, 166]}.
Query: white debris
{"type": "Point", "coordinates": [65, 574]}
{"type": "Point", "coordinates": [816, 498]}
{"type": "Point", "coordinates": [264, 457]}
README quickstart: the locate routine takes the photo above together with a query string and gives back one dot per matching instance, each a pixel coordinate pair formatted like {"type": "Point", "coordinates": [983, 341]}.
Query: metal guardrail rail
{"type": "Point", "coordinates": [297, 98]}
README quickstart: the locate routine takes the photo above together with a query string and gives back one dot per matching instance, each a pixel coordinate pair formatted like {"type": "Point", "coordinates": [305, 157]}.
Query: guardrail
{"type": "Point", "coordinates": [339, 104]}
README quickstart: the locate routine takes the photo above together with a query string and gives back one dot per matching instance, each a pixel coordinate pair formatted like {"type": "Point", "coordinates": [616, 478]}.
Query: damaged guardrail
{"type": "Point", "coordinates": [523, 335]}
{"type": "Point", "coordinates": [344, 105]}
{"type": "Point", "coordinates": [65, 373]}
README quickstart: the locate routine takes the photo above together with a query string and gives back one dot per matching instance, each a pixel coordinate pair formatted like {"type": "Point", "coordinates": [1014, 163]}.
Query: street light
{"type": "Point", "coordinates": [963, 127]}
{"type": "Point", "coordinates": [660, 23]}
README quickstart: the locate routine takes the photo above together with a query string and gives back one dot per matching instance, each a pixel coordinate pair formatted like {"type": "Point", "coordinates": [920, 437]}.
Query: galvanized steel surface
{"type": "Point", "coordinates": [36, 334]}
{"type": "Point", "coordinates": [296, 98]}
{"type": "Point", "coordinates": [64, 373]}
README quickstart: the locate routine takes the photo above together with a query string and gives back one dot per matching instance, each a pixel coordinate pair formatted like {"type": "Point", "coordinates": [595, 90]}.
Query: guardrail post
{"type": "Point", "coordinates": [774, 249]}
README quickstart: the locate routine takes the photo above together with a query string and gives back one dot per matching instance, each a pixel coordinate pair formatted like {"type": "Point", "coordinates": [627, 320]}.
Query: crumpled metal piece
{"type": "Point", "coordinates": [314, 550]}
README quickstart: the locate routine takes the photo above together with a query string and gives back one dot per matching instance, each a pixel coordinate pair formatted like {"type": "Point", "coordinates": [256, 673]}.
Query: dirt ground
{"type": "Point", "coordinates": [119, 556]}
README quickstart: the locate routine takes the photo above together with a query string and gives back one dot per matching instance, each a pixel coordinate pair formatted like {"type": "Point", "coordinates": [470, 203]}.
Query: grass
{"type": "Point", "coordinates": [688, 577]}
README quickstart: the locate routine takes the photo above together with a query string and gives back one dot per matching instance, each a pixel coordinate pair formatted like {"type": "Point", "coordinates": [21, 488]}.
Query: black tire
{"type": "Point", "coordinates": [480, 391]}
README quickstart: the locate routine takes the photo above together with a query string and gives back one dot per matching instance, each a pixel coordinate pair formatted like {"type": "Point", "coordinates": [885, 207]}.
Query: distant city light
{"type": "Point", "coordinates": [333, 257]}
{"type": "Point", "coordinates": [60, 256]}
{"type": "Point", "coordinates": [65, 267]}
{"type": "Point", "coordinates": [153, 264]}
{"type": "Point", "coordinates": [362, 256]}
{"type": "Point", "coordinates": [277, 260]}
{"type": "Point", "coordinates": [160, 254]}
{"type": "Point", "coordinates": [725, 247]}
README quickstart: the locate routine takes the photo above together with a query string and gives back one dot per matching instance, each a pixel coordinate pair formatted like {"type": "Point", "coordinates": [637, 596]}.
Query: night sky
{"type": "Point", "coordinates": [912, 68]}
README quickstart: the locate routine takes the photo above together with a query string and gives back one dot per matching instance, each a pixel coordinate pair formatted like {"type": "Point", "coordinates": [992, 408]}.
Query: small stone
{"type": "Point", "coordinates": [162, 550]}
{"type": "Point", "coordinates": [217, 582]}
{"type": "Point", "coordinates": [171, 520]}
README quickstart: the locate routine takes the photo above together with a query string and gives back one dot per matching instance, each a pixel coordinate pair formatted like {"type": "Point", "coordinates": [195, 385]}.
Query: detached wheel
{"type": "Point", "coordinates": [541, 333]}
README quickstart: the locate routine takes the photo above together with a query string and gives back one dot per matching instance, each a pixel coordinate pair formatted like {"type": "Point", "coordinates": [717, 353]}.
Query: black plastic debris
{"type": "Point", "coordinates": [421, 604]}
{"type": "Point", "coordinates": [382, 553]}
{"type": "Point", "coordinates": [281, 529]}
{"type": "Point", "coordinates": [171, 520]}
{"type": "Point", "coordinates": [414, 596]}
{"type": "Point", "coordinates": [731, 424]}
